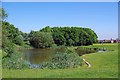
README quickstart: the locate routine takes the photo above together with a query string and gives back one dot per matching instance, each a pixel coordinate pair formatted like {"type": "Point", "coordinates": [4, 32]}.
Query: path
{"type": "Point", "coordinates": [89, 65]}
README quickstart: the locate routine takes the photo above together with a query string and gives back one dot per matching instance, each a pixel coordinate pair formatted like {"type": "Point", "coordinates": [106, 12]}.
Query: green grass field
{"type": "Point", "coordinates": [104, 65]}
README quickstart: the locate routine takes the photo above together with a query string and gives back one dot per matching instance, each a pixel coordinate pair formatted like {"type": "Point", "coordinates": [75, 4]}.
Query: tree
{"type": "Point", "coordinates": [18, 40]}
{"type": "Point", "coordinates": [46, 29]}
{"type": "Point", "coordinates": [58, 38]}
{"type": "Point", "coordinates": [3, 14]}
{"type": "Point", "coordinates": [12, 33]}
{"type": "Point", "coordinates": [92, 35]}
{"type": "Point", "coordinates": [72, 36]}
{"type": "Point", "coordinates": [7, 46]}
{"type": "Point", "coordinates": [41, 40]}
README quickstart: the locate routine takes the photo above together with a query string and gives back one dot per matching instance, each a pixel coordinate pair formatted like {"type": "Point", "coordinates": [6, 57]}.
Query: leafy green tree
{"type": "Point", "coordinates": [47, 29]}
{"type": "Point", "coordinates": [41, 40]}
{"type": "Point", "coordinates": [18, 40]}
{"type": "Point", "coordinates": [12, 33]}
{"type": "Point", "coordinates": [72, 36]}
{"type": "Point", "coordinates": [31, 34]}
{"type": "Point", "coordinates": [7, 46]}
{"type": "Point", "coordinates": [10, 37]}
{"type": "Point", "coordinates": [25, 36]}
{"type": "Point", "coordinates": [70, 42]}
{"type": "Point", "coordinates": [58, 38]}
{"type": "Point", "coordinates": [92, 34]}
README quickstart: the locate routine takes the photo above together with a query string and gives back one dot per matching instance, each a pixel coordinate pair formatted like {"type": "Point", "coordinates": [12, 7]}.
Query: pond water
{"type": "Point", "coordinates": [36, 56]}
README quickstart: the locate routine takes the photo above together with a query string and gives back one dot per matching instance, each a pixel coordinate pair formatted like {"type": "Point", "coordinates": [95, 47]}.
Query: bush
{"type": "Point", "coordinates": [61, 49]}
{"type": "Point", "coordinates": [82, 50]}
{"type": "Point", "coordinates": [10, 57]}
{"type": "Point", "coordinates": [14, 62]}
{"type": "Point", "coordinates": [62, 60]}
{"type": "Point", "coordinates": [7, 46]}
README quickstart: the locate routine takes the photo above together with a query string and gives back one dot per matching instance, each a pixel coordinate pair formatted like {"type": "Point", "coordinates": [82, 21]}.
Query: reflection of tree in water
{"type": "Point", "coordinates": [36, 56]}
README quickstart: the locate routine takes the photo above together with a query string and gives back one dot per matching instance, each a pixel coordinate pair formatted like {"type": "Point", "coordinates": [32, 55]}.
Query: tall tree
{"type": "Point", "coordinates": [41, 40]}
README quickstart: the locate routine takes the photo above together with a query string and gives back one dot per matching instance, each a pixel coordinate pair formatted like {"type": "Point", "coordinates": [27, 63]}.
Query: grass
{"type": "Point", "coordinates": [0, 63]}
{"type": "Point", "coordinates": [104, 65]}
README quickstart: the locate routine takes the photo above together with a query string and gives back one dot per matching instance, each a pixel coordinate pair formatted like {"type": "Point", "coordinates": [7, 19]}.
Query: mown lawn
{"type": "Point", "coordinates": [104, 65]}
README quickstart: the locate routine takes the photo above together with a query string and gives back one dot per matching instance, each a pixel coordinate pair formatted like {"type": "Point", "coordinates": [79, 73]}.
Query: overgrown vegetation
{"type": "Point", "coordinates": [62, 60]}
{"type": "Point", "coordinates": [15, 61]}
{"type": "Point", "coordinates": [83, 50]}
{"type": "Point", "coordinates": [11, 37]}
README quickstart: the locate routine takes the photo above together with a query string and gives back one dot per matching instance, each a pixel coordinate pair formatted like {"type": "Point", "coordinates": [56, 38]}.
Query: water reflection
{"type": "Point", "coordinates": [37, 56]}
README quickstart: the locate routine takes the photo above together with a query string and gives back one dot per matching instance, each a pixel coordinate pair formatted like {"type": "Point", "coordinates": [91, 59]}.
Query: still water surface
{"type": "Point", "coordinates": [36, 56]}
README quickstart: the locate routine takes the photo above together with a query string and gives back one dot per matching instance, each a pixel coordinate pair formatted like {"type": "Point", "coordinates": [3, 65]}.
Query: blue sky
{"type": "Point", "coordinates": [60, 0]}
{"type": "Point", "coordinates": [102, 17]}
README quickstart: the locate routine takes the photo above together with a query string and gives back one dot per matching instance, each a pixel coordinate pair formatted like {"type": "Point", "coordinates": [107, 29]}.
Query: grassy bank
{"type": "Point", "coordinates": [104, 65]}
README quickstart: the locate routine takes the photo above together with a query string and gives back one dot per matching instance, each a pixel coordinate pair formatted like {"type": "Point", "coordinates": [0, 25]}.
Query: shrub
{"type": "Point", "coordinates": [10, 57]}
{"type": "Point", "coordinates": [62, 60]}
{"type": "Point", "coordinates": [14, 62]}
{"type": "Point", "coordinates": [61, 49]}
{"type": "Point", "coordinates": [82, 50]}
{"type": "Point", "coordinates": [7, 46]}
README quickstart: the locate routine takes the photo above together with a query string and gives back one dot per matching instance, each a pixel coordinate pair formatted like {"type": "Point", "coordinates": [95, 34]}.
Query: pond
{"type": "Point", "coordinates": [36, 56]}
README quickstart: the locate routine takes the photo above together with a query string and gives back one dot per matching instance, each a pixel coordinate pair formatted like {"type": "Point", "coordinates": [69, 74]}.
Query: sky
{"type": "Point", "coordinates": [102, 17]}
{"type": "Point", "coordinates": [60, 0]}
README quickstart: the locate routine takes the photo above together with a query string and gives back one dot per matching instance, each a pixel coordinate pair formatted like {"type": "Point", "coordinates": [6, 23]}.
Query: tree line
{"type": "Point", "coordinates": [67, 36]}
